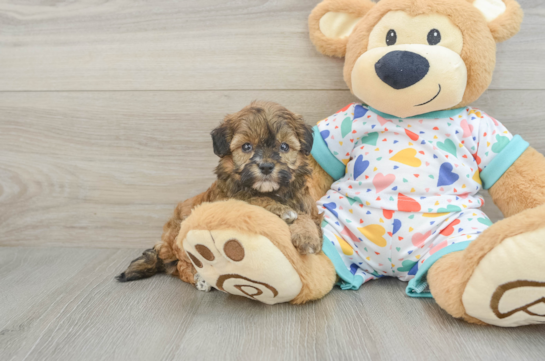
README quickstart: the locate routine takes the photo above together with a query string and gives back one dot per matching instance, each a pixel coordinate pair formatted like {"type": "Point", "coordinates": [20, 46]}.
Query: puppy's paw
{"type": "Point", "coordinates": [201, 284]}
{"type": "Point", "coordinates": [306, 244]}
{"type": "Point", "coordinates": [289, 216]}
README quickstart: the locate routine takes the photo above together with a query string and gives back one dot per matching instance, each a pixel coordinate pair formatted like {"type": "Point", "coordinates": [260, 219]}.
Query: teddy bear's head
{"type": "Point", "coordinates": [409, 57]}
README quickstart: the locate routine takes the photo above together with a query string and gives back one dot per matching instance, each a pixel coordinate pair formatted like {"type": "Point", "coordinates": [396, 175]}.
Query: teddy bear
{"type": "Point", "coordinates": [397, 175]}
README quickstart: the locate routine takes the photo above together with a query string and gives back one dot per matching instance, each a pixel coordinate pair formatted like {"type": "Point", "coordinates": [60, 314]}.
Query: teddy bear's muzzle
{"type": "Point", "coordinates": [409, 79]}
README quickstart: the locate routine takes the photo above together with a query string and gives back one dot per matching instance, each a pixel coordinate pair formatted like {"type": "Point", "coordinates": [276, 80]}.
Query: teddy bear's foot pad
{"type": "Point", "coordinates": [243, 265]}
{"type": "Point", "coordinates": [508, 286]}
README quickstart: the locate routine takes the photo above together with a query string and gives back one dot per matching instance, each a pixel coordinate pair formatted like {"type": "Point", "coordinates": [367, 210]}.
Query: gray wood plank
{"type": "Point", "coordinates": [63, 304]}
{"type": "Point", "coordinates": [106, 169]}
{"type": "Point", "coordinates": [209, 44]}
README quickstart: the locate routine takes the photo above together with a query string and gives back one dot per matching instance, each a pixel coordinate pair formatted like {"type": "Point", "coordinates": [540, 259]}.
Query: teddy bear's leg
{"type": "Point", "coordinates": [247, 251]}
{"type": "Point", "coordinates": [499, 279]}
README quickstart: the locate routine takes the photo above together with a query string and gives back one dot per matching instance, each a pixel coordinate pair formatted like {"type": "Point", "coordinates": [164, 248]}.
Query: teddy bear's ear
{"type": "Point", "coordinates": [332, 21]}
{"type": "Point", "coordinates": [503, 16]}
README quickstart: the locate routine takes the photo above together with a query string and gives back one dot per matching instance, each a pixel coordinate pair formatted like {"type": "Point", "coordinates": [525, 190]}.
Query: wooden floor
{"type": "Point", "coordinates": [105, 112]}
{"type": "Point", "coordinates": [63, 304]}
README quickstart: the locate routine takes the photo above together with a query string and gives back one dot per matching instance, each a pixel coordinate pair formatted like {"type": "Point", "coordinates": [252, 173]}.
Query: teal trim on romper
{"type": "Point", "coordinates": [348, 280]}
{"type": "Point", "coordinates": [418, 285]}
{"type": "Point", "coordinates": [501, 163]}
{"type": "Point", "coordinates": [321, 153]}
{"type": "Point", "coordinates": [431, 115]}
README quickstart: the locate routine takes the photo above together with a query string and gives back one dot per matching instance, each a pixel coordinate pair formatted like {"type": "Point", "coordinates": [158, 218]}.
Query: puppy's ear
{"type": "Point", "coordinates": [306, 137]}
{"type": "Point", "coordinates": [220, 140]}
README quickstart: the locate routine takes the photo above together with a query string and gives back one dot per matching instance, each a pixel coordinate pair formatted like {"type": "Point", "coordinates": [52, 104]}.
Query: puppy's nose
{"type": "Point", "coordinates": [266, 168]}
{"type": "Point", "coordinates": [401, 69]}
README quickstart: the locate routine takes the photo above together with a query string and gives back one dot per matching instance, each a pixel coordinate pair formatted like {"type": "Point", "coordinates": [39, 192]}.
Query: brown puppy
{"type": "Point", "coordinates": [264, 160]}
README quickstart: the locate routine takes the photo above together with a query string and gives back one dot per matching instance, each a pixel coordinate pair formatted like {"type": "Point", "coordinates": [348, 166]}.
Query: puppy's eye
{"type": "Point", "coordinates": [391, 37]}
{"type": "Point", "coordinates": [247, 147]}
{"type": "Point", "coordinates": [284, 147]}
{"type": "Point", "coordinates": [434, 37]}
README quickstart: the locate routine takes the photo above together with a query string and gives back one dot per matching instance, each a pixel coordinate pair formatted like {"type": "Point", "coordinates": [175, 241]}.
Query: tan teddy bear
{"type": "Point", "coordinates": [398, 176]}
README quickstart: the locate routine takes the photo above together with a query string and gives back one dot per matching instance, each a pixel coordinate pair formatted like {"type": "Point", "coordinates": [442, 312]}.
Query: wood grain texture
{"type": "Point", "coordinates": [63, 304]}
{"type": "Point", "coordinates": [205, 45]}
{"type": "Point", "coordinates": [106, 169]}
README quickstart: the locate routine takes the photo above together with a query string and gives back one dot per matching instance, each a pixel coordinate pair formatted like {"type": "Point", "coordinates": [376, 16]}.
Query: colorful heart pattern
{"type": "Point", "coordinates": [407, 204]}
{"type": "Point", "coordinates": [467, 129]}
{"type": "Point", "coordinates": [360, 166]}
{"type": "Point", "coordinates": [446, 175]}
{"type": "Point", "coordinates": [370, 139]}
{"type": "Point", "coordinates": [418, 239]}
{"type": "Point", "coordinates": [381, 181]}
{"type": "Point", "coordinates": [407, 157]}
{"type": "Point", "coordinates": [410, 188]}
{"type": "Point", "coordinates": [449, 230]}
{"type": "Point", "coordinates": [500, 144]}
{"type": "Point", "coordinates": [375, 234]}
{"type": "Point", "coordinates": [388, 247]}
{"type": "Point", "coordinates": [448, 146]}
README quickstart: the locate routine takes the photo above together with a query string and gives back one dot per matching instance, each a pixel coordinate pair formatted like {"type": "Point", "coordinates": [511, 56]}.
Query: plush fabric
{"type": "Point", "coordinates": [243, 264]}
{"type": "Point", "coordinates": [478, 52]}
{"type": "Point", "coordinates": [334, 46]}
{"type": "Point", "coordinates": [479, 37]}
{"type": "Point", "coordinates": [522, 186]}
{"type": "Point", "coordinates": [507, 286]}
{"type": "Point", "coordinates": [449, 276]}
{"type": "Point", "coordinates": [315, 271]}
{"type": "Point", "coordinates": [508, 24]}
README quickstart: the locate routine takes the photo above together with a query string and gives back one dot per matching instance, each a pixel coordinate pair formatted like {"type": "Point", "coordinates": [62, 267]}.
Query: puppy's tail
{"type": "Point", "coordinates": [147, 265]}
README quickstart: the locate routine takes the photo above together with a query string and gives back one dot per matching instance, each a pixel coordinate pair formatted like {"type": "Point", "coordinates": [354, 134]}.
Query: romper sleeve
{"type": "Point", "coordinates": [494, 148]}
{"type": "Point", "coordinates": [332, 146]}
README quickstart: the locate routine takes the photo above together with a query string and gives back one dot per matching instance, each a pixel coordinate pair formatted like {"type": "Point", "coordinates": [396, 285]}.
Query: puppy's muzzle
{"type": "Point", "coordinates": [266, 168]}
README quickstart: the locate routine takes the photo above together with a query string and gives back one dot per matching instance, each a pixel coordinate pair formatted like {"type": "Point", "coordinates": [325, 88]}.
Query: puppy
{"type": "Point", "coordinates": [264, 152]}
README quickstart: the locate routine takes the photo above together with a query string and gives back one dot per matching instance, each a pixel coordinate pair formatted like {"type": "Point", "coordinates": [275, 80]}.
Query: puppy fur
{"type": "Point", "coordinates": [264, 152]}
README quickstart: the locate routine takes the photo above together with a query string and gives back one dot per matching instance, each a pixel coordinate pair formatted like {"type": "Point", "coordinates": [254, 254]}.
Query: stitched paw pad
{"type": "Point", "coordinates": [243, 265]}
{"type": "Point", "coordinates": [507, 288]}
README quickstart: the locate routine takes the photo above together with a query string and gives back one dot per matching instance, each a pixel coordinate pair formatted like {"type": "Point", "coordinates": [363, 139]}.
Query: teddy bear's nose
{"type": "Point", "coordinates": [401, 69]}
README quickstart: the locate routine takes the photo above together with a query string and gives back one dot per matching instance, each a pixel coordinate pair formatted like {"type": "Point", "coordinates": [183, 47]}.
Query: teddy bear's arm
{"type": "Point", "coordinates": [320, 182]}
{"type": "Point", "coordinates": [522, 186]}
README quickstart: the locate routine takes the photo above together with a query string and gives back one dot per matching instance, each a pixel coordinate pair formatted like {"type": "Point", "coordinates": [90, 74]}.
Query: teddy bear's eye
{"type": "Point", "coordinates": [434, 37]}
{"type": "Point", "coordinates": [391, 37]}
